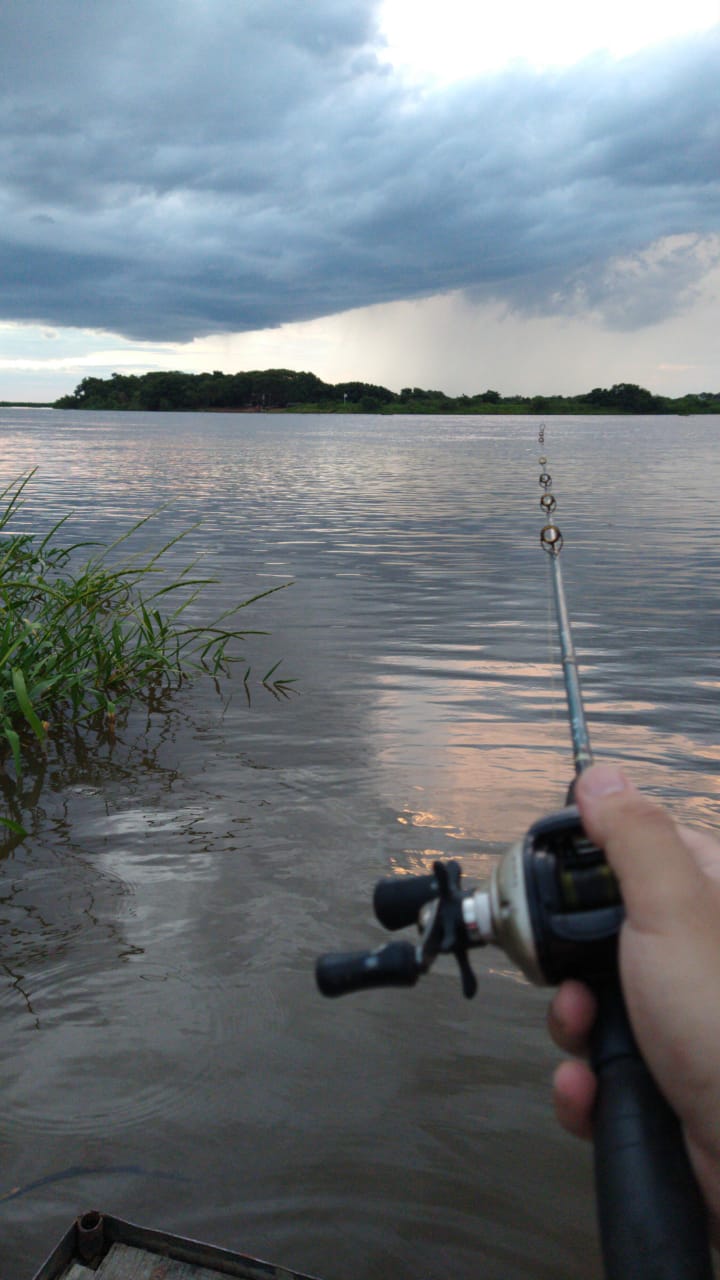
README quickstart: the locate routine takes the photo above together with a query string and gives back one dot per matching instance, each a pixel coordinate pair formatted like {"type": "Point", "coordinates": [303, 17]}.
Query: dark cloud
{"type": "Point", "coordinates": [175, 170]}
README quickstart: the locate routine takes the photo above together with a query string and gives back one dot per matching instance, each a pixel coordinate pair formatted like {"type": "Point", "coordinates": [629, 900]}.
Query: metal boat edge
{"type": "Point", "coordinates": [92, 1234]}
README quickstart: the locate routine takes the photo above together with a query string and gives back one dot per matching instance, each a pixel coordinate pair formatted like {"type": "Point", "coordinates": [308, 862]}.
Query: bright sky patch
{"type": "Point", "coordinates": [458, 38]}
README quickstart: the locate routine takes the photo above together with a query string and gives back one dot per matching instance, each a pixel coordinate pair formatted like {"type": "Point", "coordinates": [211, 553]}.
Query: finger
{"type": "Point", "coordinates": [574, 1090]}
{"type": "Point", "coordinates": [571, 1016]}
{"type": "Point", "coordinates": [658, 874]}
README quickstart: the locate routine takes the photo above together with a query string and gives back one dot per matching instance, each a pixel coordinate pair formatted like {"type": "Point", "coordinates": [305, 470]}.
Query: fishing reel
{"type": "Point", "coordinates": [553, 906]}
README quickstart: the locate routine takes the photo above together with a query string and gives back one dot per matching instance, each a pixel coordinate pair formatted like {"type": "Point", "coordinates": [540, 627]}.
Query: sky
{"type": "Point", "coordinates": [456, 195]}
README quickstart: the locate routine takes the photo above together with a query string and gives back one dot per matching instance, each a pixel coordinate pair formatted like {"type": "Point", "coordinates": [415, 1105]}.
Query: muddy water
{"type": "Point", "coordinates": [164, 1052]}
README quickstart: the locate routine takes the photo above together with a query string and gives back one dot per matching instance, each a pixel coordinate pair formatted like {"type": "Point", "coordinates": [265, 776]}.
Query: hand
{"type": "Point", "coordinates": [669, 968]}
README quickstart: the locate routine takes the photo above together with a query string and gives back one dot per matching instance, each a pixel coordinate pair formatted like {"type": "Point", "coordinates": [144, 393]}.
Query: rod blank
{"type": "Point", "coordinates": [582, 751]}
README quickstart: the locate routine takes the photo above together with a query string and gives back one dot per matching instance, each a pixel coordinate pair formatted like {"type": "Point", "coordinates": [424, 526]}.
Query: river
{"type": "Point", "coordinates": [165, 1054]}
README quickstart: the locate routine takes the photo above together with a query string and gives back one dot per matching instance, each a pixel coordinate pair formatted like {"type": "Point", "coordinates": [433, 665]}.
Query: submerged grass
{"type": "Point", "coordinates": [81, 636]}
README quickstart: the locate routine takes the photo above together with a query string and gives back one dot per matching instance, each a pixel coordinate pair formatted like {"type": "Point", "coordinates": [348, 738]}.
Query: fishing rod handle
{"type": "Point", "coordinates": [653, 1222]}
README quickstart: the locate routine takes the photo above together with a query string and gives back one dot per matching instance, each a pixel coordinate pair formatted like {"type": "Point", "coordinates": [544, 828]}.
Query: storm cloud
{"type": "Point", "coordinates": [169, 171]}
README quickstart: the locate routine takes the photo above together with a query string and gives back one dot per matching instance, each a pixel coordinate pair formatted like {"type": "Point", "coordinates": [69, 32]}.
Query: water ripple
{"type": "Point", "coordinates": [161, 923]}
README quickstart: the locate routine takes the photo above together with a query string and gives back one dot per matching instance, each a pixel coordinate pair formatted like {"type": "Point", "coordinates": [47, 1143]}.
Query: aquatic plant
{"type": "Point", "coordinates": [81, 636]}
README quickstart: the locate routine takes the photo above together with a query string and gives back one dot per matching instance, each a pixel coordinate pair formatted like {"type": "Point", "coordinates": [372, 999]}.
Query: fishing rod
{"type": "Point", "coordinates": [551, 541]}
{"type": "Point", "coordinates": [553, 906]}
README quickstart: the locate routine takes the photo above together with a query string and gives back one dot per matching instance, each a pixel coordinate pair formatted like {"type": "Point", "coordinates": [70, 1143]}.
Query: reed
{"type": "Point", "coordinates": [83, 631]}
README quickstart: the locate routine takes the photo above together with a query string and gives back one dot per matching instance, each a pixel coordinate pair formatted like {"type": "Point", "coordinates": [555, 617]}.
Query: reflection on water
{"type": "Point", "coordinates": [160, 924]}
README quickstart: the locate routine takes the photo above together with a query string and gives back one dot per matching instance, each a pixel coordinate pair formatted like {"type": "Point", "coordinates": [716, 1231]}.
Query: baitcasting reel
{"type": "Point", "coordinates": [553, 906]}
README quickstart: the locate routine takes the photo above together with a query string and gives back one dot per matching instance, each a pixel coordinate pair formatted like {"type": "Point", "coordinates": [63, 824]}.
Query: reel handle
{"type": "Point", "coordinates": [399, 900]}
{"type": "Point", "coordinates": [394, 965]}
{"type": "Point", "coordinates": [651, 1216]}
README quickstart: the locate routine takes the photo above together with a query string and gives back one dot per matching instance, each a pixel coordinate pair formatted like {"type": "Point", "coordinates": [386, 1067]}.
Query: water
{"type": "Point", "coordinates": [165, 1055]}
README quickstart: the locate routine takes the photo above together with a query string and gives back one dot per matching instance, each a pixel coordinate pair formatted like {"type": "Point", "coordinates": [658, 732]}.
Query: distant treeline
{"type": "Point", "coordinates": [290, 392]}
{"type": "Point", "coordinates": [26, 404]}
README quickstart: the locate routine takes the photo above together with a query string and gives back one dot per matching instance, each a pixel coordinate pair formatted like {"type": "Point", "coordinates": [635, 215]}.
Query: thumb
{"type": "Point", "coordinates": [658, 876]}
{"type": "Point", "coordinates": [669, 946]}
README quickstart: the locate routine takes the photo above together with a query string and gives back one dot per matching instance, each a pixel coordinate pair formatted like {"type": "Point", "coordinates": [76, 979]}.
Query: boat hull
{"type": "Point", "coordinates": [120, 1250]}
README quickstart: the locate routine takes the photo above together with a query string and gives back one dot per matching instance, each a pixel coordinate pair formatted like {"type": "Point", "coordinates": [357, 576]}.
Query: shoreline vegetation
{"type": "Point", "coordinates": [26, 404]}
{"type": "Point", "coordinates": [82, 636]}
{"type": "Point", "coordinates": [288, 391]}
